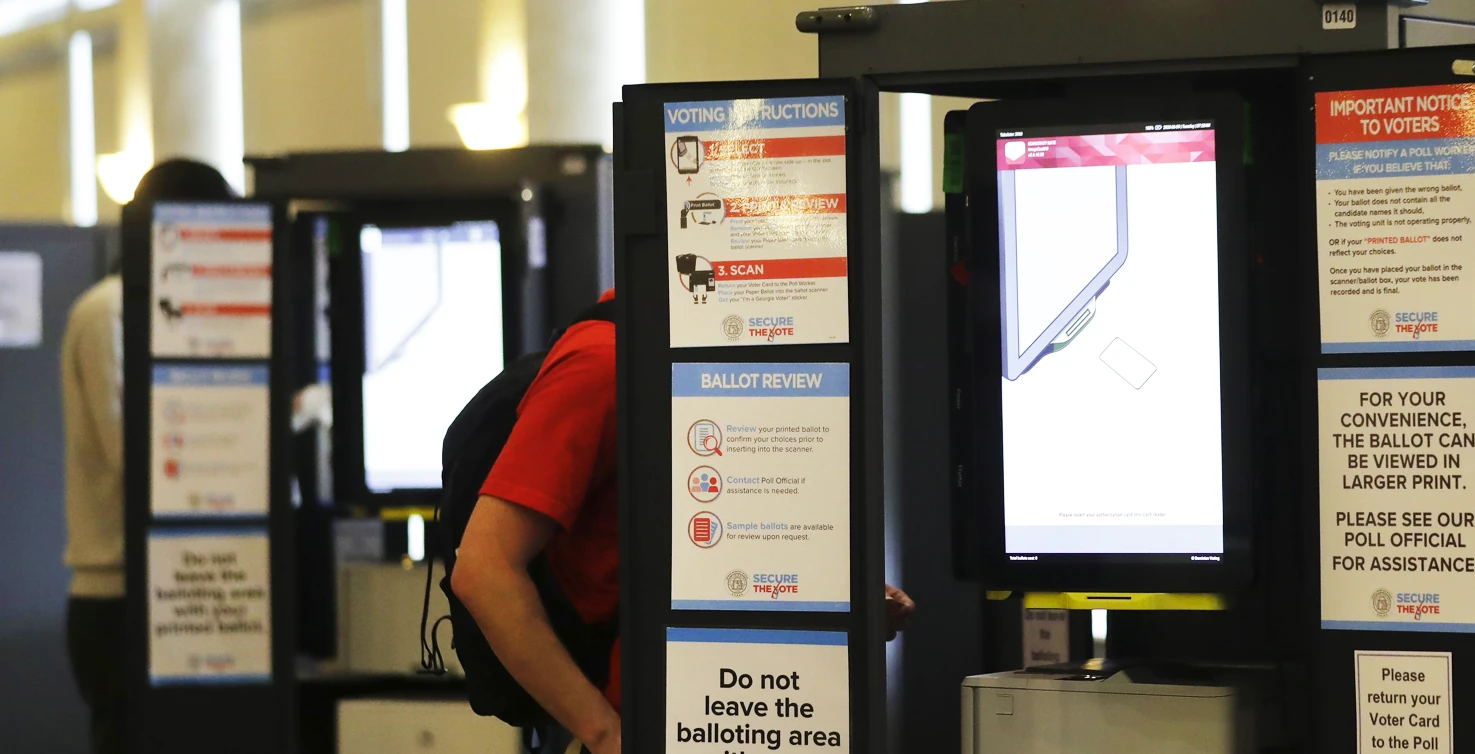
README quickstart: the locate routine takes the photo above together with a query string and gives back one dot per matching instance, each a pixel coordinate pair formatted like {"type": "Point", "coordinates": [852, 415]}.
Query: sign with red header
{"type": "Point", "coordinates": [1394, 207]}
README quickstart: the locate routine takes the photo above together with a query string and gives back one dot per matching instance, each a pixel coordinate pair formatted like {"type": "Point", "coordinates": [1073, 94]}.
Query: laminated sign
{"type": "Point", "coordinates": [1397, 516]}
{"type": "Point", "coordinates": [1392, 169]}
{"type": "Point", "coordinates": [756, 220]}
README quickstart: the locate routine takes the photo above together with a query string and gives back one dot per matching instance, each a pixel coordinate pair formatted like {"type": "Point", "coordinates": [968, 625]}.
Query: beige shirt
{"type": "Point", "coordinates": [92, 398]}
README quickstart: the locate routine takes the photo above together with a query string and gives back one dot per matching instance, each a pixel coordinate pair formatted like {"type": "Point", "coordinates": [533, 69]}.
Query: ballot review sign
{"type": "Point", "coordinates": [757, 221]}
{"type": "Point", "coordinates": [760, 487]}
{"type": "Point", "coordinates": [1395, 184]}
{"type": "Point", "coordinates": [1397, 513]}
{"type": "Point", "coordinates": [741, 690]}
{"type": "Point", "coordinates": [210, 441]}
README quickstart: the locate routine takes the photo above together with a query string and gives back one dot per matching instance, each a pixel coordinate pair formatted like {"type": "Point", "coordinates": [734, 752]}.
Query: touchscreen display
{"type": "Point", "coordinates": [1108, 242]}
{"type": "Point", "coordinates": [432, 339]}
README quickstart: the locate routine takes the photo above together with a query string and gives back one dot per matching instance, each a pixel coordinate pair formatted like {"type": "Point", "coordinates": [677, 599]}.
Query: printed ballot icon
{"type": "Point", "coordinates": [1014, 151]}
{"type": "Point", "coordinates": [704, 530]}
{"type": "Point", "coordinates": [705, 438]}
{"type": "Point", "coordinates": [704, 484]}
{"type": "Point", "coordinates": [1062, 236]}
{"type": "Point", "coordinates": [1128, 363]}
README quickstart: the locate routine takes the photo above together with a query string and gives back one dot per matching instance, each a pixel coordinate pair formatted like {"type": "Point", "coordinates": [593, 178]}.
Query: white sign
{"type": "Point", "coordinates": [739, 690]}
{"type": "Point", "coordinates": [209, 606]}
{"type": "Point", "coordinates": [756, 221]}
{"type": "Point", "coordinates": [1395, 186]}
{"type": "Point", "coordinates": [212, 291]}
{"type": "Point", "coordinates": [1046, 637]}
{"type": "Point", "coordinates": [1397, 516]}
{"type": "Point", "coordinates": [20, 299]}
{"type": "Point", "coordinates": [1339, 16]}
{"type": "Point", "coordinates": [211, 441]}
{"type": "Point", "coordinates": [1403, 701]}
{"type": "Point", "coordinates": [760, 488]}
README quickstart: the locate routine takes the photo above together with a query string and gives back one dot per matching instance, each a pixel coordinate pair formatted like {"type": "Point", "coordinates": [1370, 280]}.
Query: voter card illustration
{"type": "Point", "coordinates": [1062, 236]}
{"type": "Point", "coordinates": [1128, 364]}
{"type": "Point", "coordinates": [686, 154]}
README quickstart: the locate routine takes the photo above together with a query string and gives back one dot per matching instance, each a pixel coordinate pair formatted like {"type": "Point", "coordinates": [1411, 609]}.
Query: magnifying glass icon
{"type": "Point", "coordinates": [710, 444]}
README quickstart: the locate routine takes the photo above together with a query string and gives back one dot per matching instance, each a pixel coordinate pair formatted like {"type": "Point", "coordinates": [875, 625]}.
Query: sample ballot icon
{"type": "Point", "coordinates": [704, 529]}
{"type": "Point", "coordinates": [705, 438]}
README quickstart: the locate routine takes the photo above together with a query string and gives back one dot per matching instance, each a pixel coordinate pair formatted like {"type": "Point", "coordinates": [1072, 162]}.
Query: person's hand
{"type": "Point", "coordinates": [898, 608]}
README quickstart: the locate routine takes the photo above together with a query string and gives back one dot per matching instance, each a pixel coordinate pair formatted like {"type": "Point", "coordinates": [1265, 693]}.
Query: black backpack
{"type": "Point", "coordinates": [472, 444]}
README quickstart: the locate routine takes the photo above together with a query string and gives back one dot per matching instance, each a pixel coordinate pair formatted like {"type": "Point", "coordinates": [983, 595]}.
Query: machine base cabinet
{"type": "Point", "coordinates": [1075, 712]}
{"type": "Point", "coordinates": [406, 726]}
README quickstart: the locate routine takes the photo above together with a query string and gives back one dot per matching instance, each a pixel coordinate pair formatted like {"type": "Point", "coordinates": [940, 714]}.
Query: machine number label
{"type": "Point", "coordinates": [1339, 16]}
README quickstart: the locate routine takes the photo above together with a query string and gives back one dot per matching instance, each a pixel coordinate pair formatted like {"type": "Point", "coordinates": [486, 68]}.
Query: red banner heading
{"type": "Point", "coordinates": [225, 310]}
{"type": "Point", "coordinates": [225, 234]}
{"type": "Point", "coordinates": [764, 206]}
{"type": "Point", "coordinates": [782, 269]}
{"type": "Point", "coordinates": [768, 149]}
{"type": "Point", "coordinates": [1419, 112]}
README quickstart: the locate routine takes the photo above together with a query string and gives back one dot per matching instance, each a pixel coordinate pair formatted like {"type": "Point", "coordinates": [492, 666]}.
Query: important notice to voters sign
{"type": "Point", "coordinates": [756, 218]}
{"type": "Point", "coordinates": [211, 446]}
{"type": "Point", "coordinates": [1395, 200]}
{"type": "Point", "coordinates": [1397, 513]}
{"type": "Point", "coordinates": [212, 284]}
{"type": "Point", "coordinates": [747, 691]}
{"type": "Point", "coordinates": [209, 606]}
{"type": "Point", "coordinates": [760, 488]}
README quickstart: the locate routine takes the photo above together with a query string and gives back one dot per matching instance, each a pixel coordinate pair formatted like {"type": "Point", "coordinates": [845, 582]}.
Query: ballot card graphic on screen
{"type": "Point", "coordinates": [433, 337]}
{"type": "Point", "coordinates": [1109, 309]}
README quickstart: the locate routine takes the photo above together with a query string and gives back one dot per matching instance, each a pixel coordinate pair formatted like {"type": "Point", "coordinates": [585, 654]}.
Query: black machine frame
{"type": "Point", "coordinates": [523, 308]}
{"type": "Point", "coordinates": [177, 718]}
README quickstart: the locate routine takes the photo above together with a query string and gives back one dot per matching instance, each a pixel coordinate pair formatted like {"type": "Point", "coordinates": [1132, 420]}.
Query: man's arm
{"type": "Point", "coordinates": [491, 579]}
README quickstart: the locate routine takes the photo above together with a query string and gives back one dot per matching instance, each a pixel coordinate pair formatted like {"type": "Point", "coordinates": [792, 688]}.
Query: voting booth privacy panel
{"type": "Point", "coordinates": [206, 407]}
{"type": "Point", "coordinates": [747, 232]}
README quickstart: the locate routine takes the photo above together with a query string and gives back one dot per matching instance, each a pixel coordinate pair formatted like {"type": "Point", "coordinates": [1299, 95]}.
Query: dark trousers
{"type": "Point", "coordinates": [96, 647]}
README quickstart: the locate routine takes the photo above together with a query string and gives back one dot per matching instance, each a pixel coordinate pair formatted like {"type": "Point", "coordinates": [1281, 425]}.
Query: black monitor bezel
{"type": "Point", "coordinates": [348, 328]}
{"type": "Point", "coordinates": [1112, 573]}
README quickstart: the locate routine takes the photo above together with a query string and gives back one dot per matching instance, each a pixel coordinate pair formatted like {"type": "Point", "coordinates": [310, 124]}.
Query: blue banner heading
{"type": "Point", "coordinates": [734, 115]}
{"type": "Point", "coordinates": [210, 376]}
{"type": "Point", "coordinates": [760, 380]}
{"type": "Point", "coordinates": [1395, 158]}
{"type": "Point", "coordinates": [213, 214]}
{"type": "Point", "coordinates": [752, 636]}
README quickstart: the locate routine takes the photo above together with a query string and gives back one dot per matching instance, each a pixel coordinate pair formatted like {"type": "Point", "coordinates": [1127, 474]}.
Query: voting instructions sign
{"type": "Point", "coordinates": [756, 214]}
{"type": "Point", "coordinates": [212, 284]}
{"type": "Point", "coordinates": [1397, 515]}
{"type": "Point", "coordinates": [760, 487]}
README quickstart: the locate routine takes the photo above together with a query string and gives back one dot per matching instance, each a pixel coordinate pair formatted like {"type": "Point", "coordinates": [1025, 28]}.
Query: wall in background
{"type": "Point", "coordinates": [310, 77]}
{"type": "Point", "coordinates": [33, 146]}
{"type": "Point", "coordinates": [443, 67]}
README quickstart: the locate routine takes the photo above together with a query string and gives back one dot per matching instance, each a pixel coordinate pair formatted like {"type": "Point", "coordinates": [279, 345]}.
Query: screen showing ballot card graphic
{"type": "Point", "coordinates": [1109, 309]}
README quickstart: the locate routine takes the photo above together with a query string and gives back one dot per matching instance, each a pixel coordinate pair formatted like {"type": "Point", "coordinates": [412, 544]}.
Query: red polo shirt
{"type": "Point", "coordinates": [560, 461]}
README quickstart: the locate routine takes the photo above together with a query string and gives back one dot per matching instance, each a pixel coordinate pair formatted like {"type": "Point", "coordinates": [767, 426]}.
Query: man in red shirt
{"type": "Point", "coordinates": [553, 491]}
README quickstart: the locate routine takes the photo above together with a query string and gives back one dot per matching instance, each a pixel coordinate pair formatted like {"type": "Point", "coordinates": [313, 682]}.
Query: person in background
{"type": "Point", "coordinates": [92, 395]}
{"type": "Point", "coordinates": [553, 491]}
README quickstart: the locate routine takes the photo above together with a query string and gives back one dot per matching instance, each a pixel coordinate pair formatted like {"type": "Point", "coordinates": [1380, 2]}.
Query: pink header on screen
{"type": "Point", "coordinates": [1106, 149]}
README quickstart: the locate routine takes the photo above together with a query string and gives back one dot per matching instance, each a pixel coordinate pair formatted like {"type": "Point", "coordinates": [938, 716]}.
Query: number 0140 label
{"type": "Point", "coordinates": [1339, 16]}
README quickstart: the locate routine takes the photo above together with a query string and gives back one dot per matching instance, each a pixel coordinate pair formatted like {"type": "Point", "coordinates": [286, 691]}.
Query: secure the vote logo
{"type": "Point", "coordinates": [737, 583]}
{"type": "Point", "coordinates": [1381, 322]}
{"type": "Point", "coordinates": [771, 328]}
{"type": "Point", "coordinates": [1382, 603]}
